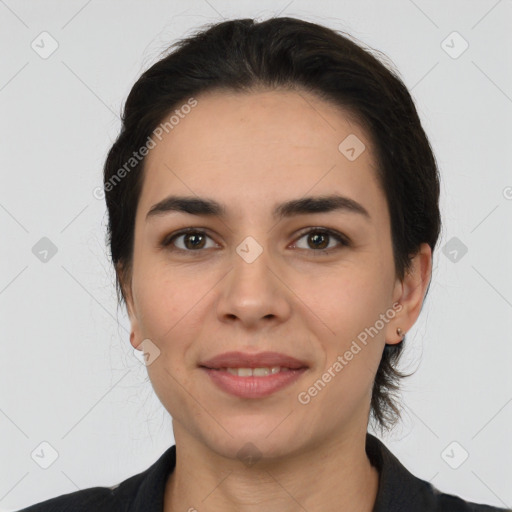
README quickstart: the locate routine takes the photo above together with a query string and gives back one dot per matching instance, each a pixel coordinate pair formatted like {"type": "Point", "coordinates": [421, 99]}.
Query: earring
{"type": "Point", "coordinates": [400, 333]}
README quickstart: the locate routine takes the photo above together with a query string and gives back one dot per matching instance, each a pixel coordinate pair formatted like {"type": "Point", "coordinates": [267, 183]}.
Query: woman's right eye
{"type": "Point", "coordinates": [191, 240]}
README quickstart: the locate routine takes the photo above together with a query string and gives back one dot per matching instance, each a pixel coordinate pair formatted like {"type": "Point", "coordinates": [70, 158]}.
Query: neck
{"type": "Point", "coordinates": [333, 476]}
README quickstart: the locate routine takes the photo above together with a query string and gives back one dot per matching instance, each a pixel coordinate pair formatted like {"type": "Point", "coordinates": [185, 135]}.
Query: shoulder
{"type": "Point", "coordinates": [99, 499]}
{"type": "Point", "coordinates": [141, 492]}
{"type": "Point", "coordinates": [399, 490]}
{"type": "Point", "coordinates": [448, 502]}
{"type": "Point", "coordinates": [443, 502]}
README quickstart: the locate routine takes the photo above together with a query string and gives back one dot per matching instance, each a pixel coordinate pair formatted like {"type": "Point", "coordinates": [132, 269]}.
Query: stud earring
{"type": "Point", "coordinates": [400, 333]}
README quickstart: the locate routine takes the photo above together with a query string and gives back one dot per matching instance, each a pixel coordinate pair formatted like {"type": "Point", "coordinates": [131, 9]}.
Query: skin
{"type": "Point", "coordinates": [251, 151]}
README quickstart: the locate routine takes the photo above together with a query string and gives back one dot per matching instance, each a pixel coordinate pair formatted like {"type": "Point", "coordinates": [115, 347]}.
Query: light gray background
{"type": "Point", "coordinates": [68, 375]}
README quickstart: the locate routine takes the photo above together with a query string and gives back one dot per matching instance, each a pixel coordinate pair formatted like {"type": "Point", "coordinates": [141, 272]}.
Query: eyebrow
{"type": "Point", "coordinates": [303, 206]}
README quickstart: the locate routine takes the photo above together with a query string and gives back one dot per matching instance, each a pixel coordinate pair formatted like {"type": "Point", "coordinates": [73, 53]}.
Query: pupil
{"type": "Point", "coordinates": [190, 237]}
{"type": "Point", "coordinates": [315, 238]}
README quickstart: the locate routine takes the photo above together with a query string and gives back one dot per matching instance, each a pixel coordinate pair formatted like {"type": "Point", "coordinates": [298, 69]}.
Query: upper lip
{"type": "Point", "coordinates": [245, 360]}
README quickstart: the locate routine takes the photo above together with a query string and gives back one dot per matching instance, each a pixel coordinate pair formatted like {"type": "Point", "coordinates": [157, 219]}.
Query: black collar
{"type": "Point", "coordinates": [398, 488]}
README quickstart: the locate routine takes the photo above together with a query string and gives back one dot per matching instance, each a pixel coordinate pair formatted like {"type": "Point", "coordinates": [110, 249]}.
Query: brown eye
{"type": "Point", "coordinates": [319, 240]}
{"type": "Point", "coordinates": [188, 240]}
{"type": "Point", "coordinates": [193, 240]}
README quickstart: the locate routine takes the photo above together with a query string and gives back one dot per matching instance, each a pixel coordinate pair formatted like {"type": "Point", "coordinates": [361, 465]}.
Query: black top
{"type": "Point", "coordinates": [399, 490]}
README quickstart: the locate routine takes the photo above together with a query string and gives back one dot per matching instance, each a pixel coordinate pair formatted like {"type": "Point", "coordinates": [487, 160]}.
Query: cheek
{"type": "Point", "coordinates": [164, 298]}
{"type": "Point", "coordinates": [345, 301]}
{"type": "Point", "coordinates": [166, 315]}
{"type": "Point", "coordinates": [172, 305]}
{"type": "Point", "coordinates": [346, 308]}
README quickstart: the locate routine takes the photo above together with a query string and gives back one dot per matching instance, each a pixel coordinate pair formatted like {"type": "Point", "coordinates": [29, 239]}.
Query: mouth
{"type": "Point", "coordinates": [254, 372]}
{"type": "Point", "coordinates": [245, 360]}
{"type": "Point", "coordinates": [253, 375]}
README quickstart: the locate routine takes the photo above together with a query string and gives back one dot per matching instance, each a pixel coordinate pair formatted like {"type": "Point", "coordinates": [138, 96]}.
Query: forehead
{"type": "Point", "coordinates": [266, 145]}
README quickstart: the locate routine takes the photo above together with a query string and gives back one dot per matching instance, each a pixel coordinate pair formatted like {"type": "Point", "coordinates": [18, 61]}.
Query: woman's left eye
{"type": "Point", "coordinates": [318, 238]}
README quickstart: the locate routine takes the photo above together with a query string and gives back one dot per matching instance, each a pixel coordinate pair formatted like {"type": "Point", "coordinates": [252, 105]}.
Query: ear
{"type": "Point", "coordinates": [409, 293]}
{"type": "Point", "coordinates": [124, 276]}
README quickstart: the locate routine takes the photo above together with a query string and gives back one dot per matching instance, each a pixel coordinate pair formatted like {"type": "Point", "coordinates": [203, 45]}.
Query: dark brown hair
{"type": "Point", "coordinates": [244, 55]}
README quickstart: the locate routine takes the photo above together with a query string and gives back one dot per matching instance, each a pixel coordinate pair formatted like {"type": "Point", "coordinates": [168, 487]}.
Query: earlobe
{"type": "Point", "coordinates": [136, 345]}
{"type": "Point", "coordinates": [395, 334]}
{"type": "Point", "coordinates": [410, 293]}
{"type": "Point", "coordinates": [134, 329]}
{"type": "Point", "coordinates": [133, 322]}
{"type": "Point", "coordinates": [125, 284]}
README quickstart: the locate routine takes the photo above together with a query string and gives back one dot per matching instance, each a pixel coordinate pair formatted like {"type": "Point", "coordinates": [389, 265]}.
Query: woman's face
{"type": "Point", "coordinates": [251, 281]}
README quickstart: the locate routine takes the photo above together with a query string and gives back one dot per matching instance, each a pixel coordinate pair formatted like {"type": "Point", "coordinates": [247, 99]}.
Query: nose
{"type": "Point", "coordinates": [254, 293]}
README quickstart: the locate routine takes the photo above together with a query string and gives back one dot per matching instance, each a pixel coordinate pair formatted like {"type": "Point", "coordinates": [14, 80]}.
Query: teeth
{"type": "Point", "coordinates": [256, 372]}
{"type": "Point", "coordinates": [261, 372]}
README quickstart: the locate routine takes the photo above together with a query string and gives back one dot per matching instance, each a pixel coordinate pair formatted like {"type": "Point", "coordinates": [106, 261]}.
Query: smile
{"type": "Point", "coordinates": [253, 382]}
{"type": "Point", "coordinates": [256, 372]}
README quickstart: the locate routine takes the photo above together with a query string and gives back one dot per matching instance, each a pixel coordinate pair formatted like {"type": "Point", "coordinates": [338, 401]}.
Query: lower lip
{"type": "Point", "coordinates": [253, 387]}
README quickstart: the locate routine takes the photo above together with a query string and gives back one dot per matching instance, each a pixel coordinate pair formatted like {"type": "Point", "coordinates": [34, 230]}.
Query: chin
{"type": "Point", "coordinates": [252, 442]}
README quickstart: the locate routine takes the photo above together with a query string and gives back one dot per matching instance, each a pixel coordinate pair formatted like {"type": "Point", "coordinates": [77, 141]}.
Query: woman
{"type": "Point", "coordinates": [273, 212]}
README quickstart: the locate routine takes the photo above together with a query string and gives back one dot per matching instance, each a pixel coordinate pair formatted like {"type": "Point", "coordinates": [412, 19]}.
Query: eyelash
{"type": "Point", "coordinates": [342, 239]}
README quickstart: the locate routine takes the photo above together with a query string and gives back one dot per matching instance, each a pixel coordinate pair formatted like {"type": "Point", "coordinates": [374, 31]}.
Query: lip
{"type": "Point", "coordinates": [246, 360]}
{"type": "Point", "coordinates": [253, 387]}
